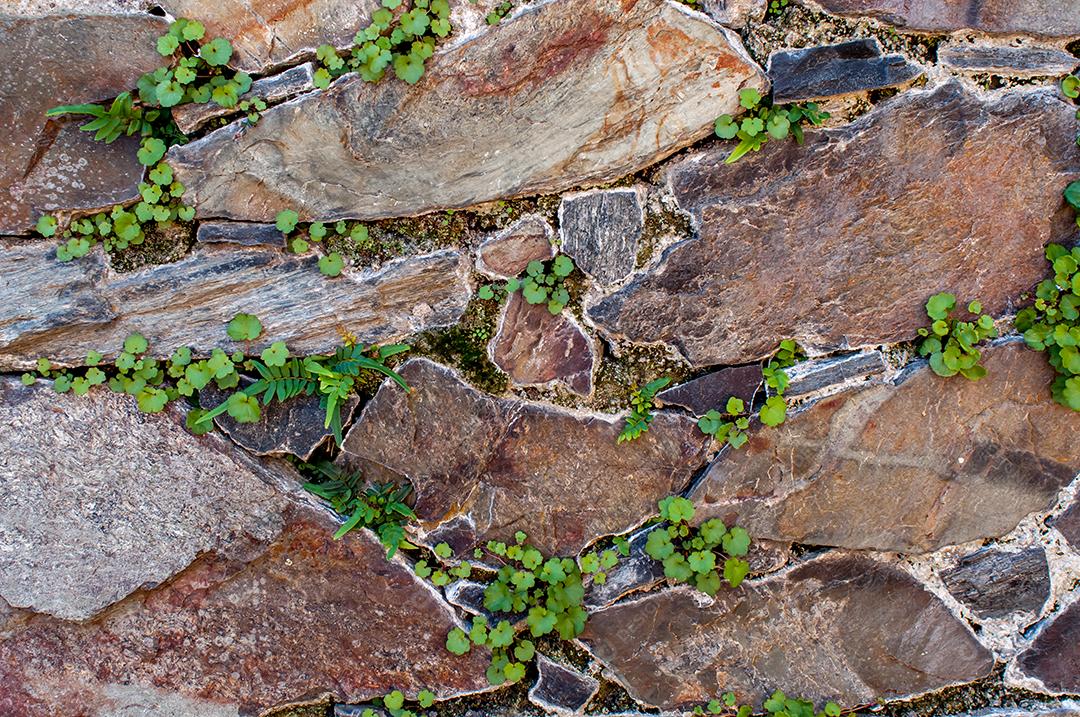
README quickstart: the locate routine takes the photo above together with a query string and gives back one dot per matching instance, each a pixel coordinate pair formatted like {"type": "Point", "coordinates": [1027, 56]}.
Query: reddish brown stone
{"type": "Point", "coordinates": [910, 467]}
{"type": "Point", "coordinates": [839, 242]}
{"type": "Point", "coordinates": [509, 252]}
{"type": "Point", "coordinates": [1068, 524]}
{"type": "Point", "coordinates": [1060, 18]}
{"type": "Point", "coordinates": [1054, 657]}
{"type": "Point", "coordinates": [303, 616]}
{"type": "Point", "coordinates": [842, 627]}
{"type": "Point", "coordinates": [535, 347]}
{"type": "Point", "coordinates": [488, 467]}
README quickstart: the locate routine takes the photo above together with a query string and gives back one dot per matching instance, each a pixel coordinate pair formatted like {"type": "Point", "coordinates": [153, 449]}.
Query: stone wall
{"type": "Point", "coordinates": [916, 539]}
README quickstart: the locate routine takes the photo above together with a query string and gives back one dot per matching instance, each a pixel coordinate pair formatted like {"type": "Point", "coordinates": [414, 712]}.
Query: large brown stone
{"type": "Point", "coordinates": [64, 310]}
{"type": "Point", "coordinates": [492, 466]}
{"type": "Point", "coordinates": [1054, 657]}
{"type": "Point", "coordinates": [48, 61]}
{"type": "Point", "coordinates": [839, 242]}
{"type": "Point", "coordinates": [560, 95]}
{"type": "Point", "coordinates": [302, 616]}
{"type": "Point", "coordinates": [841, 627]}
{"type": "Point", "coordinates": [910, 467]}
{"type": "Point", "coordinates": [1060, 18]}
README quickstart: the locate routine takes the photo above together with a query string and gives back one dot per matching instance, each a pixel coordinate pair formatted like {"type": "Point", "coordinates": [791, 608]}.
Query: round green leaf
{"type": "Point", "coordinates": [331, 264]}
{"type": "Point", "coordinates": [216, 52]}
{"type": "Point", "coordinates": [244, 327]}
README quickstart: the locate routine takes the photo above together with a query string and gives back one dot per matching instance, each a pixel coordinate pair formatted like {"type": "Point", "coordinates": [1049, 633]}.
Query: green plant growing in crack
{"type": "Point", "coordinates": [401, 36]}
{"type": "Point", "coordinates": [777, 705]}
{"type": "Point", "coordinates": [380, 508]}
{"type": "Point", "coordinates": [642, 402]}
{"type": "Point", "coordinates": [1052, 324]}
{"type": "Point", "coordinates": [764, 121]}
{"type": "Point", "coordinates": [698, 556]}
{"type": "Point", "coordinates": [300, 240]}
{"type": "Point", "coordinates": [541, 284]}
{"type": "Point", "coordinates": [950, 343]}
{"type": "Point", "coordinates": [776, 8]}
{"type": "Point", "coordinates": [394, 704]}
{"type": "Point", "coordinates": [498, 13]}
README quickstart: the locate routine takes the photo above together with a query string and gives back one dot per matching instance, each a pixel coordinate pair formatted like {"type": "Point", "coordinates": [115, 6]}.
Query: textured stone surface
{"type": "Point", "coordinates": [38, 8]}
{"type": "Point", "coordinates": [1054, 657]}
{"type": "Point", "coordinates": [1036, 17]}
{"type": "Point", "coordinates": [503, 465]}
{"type": "Point", "coordinates": [267, 33]}
{"type": "Point", "coordinates": [535, 347]}
{"type": "Point", "coordinates": [815, 73]}
{"type": "Point", "coordinates": [64, 310]}
{"type": "Point", "coordinates": [1068, 524]}
{"type": "Point", "coordinates": [1022, 61]}
{"type": "Point", "coordinates": [302, 616]}
{"type": "Point", "coordinates": [734, 13]}
{"type": "Point", "coordinates": [558, 96]}
{"type": "Point", "coordinates": [295, 426]}
{"type": "Point", "coordinates": [700, 395]}
{"type": "Point", "coordinates": [509, 252]}
{"type": "Point", "coordinates": [600, 230]}
{"type": "Point", "coordinates": [909, 467]}
{"type": "Point", "coordinates": [840, 627]}
{"type": "Point", "coordinates": [241, 233]}
{"type": "Point", "coordinates": [839, 242]}
{"type": "Point", "coordinates": [994, 583]}
{"type": "Point", "coordinates": [275, 88]}
{"type": "Point", "coordinates": [45, 62]}
{"type": "Point", "coordinates": [561, 689]}
{"type": "Point", "coordinates": [1064, 708]}
{"type": "Point", "coordinates": [817, 374]}
{"type": "Point", "coordinates": [98, 500]}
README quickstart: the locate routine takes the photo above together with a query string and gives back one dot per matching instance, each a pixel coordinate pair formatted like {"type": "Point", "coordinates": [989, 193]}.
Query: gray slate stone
{"type": "Point", "coordinates": [1022, 61]}
{"type": "Point", "coordinates": [291, 82]}
{"type": "Point", "coordinates": [98, 500]}
{"type": "Point", "coordinates": [700, 395]}
{"type": "Point", "coordinates": [561, 689]}
{"type": "Point", "coordinates": [1059, 18]}
{"type": "Point", "coordinates": [242, 233]}
{"type": "Point", "coordinates": [600, 231]}
{"type": "Point", "coordinates": [995, 584]}
{"type": "Point", "coordinates": [816, 73]}
{"type": "Point", "coordinates": [817, 374]}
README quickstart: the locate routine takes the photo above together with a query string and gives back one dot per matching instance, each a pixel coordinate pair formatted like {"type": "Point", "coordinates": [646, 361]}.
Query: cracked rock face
{"type": "Point", "coordinates": [492, 466]}
{"type": "Point", "coordinates": [190, 302]}
{"type": "Point", "coordinates": [856, 228]}
{"type": "Point", "coordinates": [995, 583]}
{"type": "Point", "coordinates": [841, 627]}
{"type": "Point", "coordinates": [1037, 17]}
{"type": "Point", "coordinates": [946, 462]}
{"type": "Point", "coordinates": [819, 72]}
{"type": "Point", "coordinates": [48, 164]}
{"type": "Point", "coordinates": [568, 95]}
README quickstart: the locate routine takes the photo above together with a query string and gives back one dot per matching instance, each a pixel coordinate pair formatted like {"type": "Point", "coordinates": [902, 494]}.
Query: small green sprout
{"type": "Point", "coordinates": [949, 343]}
{"type": "Point", "coordinates": [691, 555]}
{"type": "Point", "coordinates": [541, 284]}
{"type": "Point", "coordinates": [764, 122]}
{"type": "Point", "coordinates": [642, 401]}
{"type": "Point", "coordinates": [244, 327]}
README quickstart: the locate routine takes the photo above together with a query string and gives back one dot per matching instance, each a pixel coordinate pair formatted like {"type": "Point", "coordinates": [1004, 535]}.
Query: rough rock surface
{"type": "Point", "coordinates": [267, 33]}
{"type": "Point", "coordinates": [815, 73]}
{"type": "Point", "coordinates": [600, 231]}
{"type": "Point", "coordinates": [98, 500]}
{"type": "Point", "coordinates": [48, 164]}
{"type": "Point", "coordinates": [851, 629]}
{"type": "Point", "coordinates": [303, 616]}
{"type": "Point", "coordinates": [994, 583]}
{"type": "Point", "coordinates": [508, 253]}
{"type": "Point", "coordinates": [1036, 17]}
{"type": "Point", "coordinates": [711, 391]}
{"type": "Point", "coordinates": [291, 82]}
{"type": "Point", "coordinates": [242, 233]}
{"type": "Point", "coordinates": [501, 465]}
{"type": "Point", "coordinates": [558, 96]}
{"type": "Point", "coordinates": [945, 461]}
{"type": "Point", "coordinates": [560, 688]}
{"type": "Point", "coordinates": [856, 228]}
{"type": "Point", "coordinates": [64, 310]}
{"type": "Point", "coordinates": [1023, 61]}
{"type": "Point", "coordinates": [818, 374]}
{"type": "Point", "coordinates": [535, 347]}
{"type": "Point", "coordinates": [1054, 657]}
{"type": "Point", "coordinates": [1068, 524]}
{"type": "Point", "coordinates": [734, 13]}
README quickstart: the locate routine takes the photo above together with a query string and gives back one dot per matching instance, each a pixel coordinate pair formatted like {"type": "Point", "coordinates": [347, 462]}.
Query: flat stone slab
{"type": "Point", "coordinates": [711, 391]}
{"type": "Point", "coordinates": [865, 630]}
{"type": "Point", "coordinates": [1034, 17]}
{"type": "Point", "coordinates": [293, 81]}
{"type": "Point", "coordinates": [508, 253]}
{"type": "Point", "coordinates": [994, 583]}
{"type": "Point", "coordinates": [1023, 61]}
{"type": "Point", "coordinates": [1054, 657]}
{"type": "Point", "coordinates": [910, 467]}
{"type": "Point", "coordinates": [488, 467]}
{"type": "Point", "coordinates": [819, 374]}
{"type": "Point", "coordinates": [561, 689]}
{"type": "Point", "coordinates": [190, 302]}
{"type": "Point", "coordinates": [558, 96]}
{"type": "Point", "coordinates": [815, 73]}
{"type": "Point", "coordinates": [242, 233]}
{"type": "Point", "coordinates": [875, 198]}
{"type": "Point", "coordinates": [46, 164]}
{"type": "Point", "coordinates": [600, 231]}
{"type": "Point", "coordinates": [1068, 524]}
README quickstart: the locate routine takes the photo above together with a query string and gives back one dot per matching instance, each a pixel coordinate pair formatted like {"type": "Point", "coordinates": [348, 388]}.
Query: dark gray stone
{"type": "Point", "coordinates": [275, 88]}
{"type": "Point", "coordinates": [829, 70]}
{"type": "Point", "coordinates": [1054, 657]}
{"type": "Point", "coordinates": [712, 390]}
{"type": "Point", "coordinates": [560, 688]}
{"type": "Point", "coordinates": [994, 583]}
{"type": "Point", "coordinates": [600, 230]}
{"type": "Point", "coordinates": [815, 375]}
{"type": "Point", "coordinates": [1023, 61]}
{"type": "Point", "coordinates": [243, 233]}
{"type": "Point", "coordinates": [1068, 524]}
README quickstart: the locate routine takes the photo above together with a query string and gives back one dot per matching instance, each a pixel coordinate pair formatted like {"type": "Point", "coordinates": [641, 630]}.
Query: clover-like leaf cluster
{"type": "Point", "coordinates": [1053, 323]}
{"type": "Point", "coordinates": [776, 7]}
{"type": "Point", "coordinates": [394, 704]}
{"type": "Point", "coordinates": [777, 705]}
{"type": "Point", "coordinates": [499, 12]}
{"type": "Point", "coordinates": [198, 71]}
{"type": "Point", "coordinates": [338, 235]}
{"type": "Point", "coordinates": [698, 556]}
{"type": "Point", "coordinates": [380, 508]}
{"type": "Point", "coordinates": [764, 121]}
{"type": "Point", "coordinates": [642, 402]}
{"type": "Point", "coordinates": [402, 36]}
{"type": "Point", "coordinates": [950, 343]}
{"type": "Point", "coordinates": [542, 283]}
